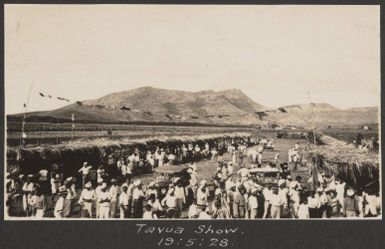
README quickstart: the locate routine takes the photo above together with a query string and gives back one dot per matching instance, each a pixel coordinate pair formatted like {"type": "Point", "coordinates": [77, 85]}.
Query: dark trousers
{"type": "Point", "coordinates": [138, 208]}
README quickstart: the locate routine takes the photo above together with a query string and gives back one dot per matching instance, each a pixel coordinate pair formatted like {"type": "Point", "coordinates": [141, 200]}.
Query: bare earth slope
{"type": "Point", "coordinates": [229, 107]}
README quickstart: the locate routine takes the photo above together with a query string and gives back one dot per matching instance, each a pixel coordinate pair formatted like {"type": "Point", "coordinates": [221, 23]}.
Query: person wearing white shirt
{"type": "Point", "coordinates": [203, 215]}
{"type": "Point", "coordinates": [27, 189]}
{"type": "Point", "coordinates": [253, 205]}
{"type": "Point", "coordinates": [124, 203]}
{"type": "Point", "coordinates": [180, 197]}
{"type": "Point", "coordinates": [193, 210]}
{"type": "Point", "coordinates": [276, 204]}
{"type": "Point", "coordinates": [86, 199]}
{"type": "Point", "coordinates": [303, 210]}
{"type": "Point", "coordinates": [244, 174]}
{"type": "Point", "coordinates": [370, 207]}
{"type": "Point", "coordinates": [85, 170]}
{"type": "Point", "coordinates": [137, 198]}
{"type": "Point", "coordinates": [114, 198]}
{"type": "Point", "coordinates": [313, 204]}
{"type": "Point", "coordinates": [59, 206]}
{"type": "Point", "coordinates": [104, 202]}
{"type": "Point", "coordinates": [171, 203]}
{"type": "Point", "coordinates": [155, 204]}
{"type": "Point", "coordinates": [202, 196]}
{"type": "Point", "coordinates": [149, 214]}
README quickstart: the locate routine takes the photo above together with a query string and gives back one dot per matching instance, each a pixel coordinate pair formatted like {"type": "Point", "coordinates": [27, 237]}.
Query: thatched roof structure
{"type": "Point", "coordinates": [358, 167]}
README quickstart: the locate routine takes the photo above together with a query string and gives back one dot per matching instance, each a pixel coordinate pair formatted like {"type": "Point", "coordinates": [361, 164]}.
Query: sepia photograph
{"type": "Point", "coordinates": [199, 112]}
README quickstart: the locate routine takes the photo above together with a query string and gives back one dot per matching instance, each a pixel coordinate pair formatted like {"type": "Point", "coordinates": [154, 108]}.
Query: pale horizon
{"type": "Point", "coordinates": [273, 54]}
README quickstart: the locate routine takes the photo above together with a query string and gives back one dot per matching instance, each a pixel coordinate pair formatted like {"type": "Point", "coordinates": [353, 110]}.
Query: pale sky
{"type": "Point", "coordinates": [274, 54]}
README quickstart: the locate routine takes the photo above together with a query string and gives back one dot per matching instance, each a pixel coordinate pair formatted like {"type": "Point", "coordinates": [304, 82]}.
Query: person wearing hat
{"type": "Point", "coordinates": [59, 206]}
{"type": "Point", "coordinates": [55, 184]}
{"type": "Point", "coordinates": [239, 207]}
{"type": "Point", "coordinates": [202, 195]}
{"type": "Point", "coordinates": [351, 204]}
{"type": "Point", "coordinates": [86, 199]}
{"type": "Point", "coordinates": [27, 189]}
{"type": "Point", "coordinates": [171, 203]}
{"type": "Point", "coordinates": [124, 202]}
{"type": "Point", "coordinates": [85, 171]}
{"type": "Point", "coordinates": [137, 198]}
{"type": "Point", "coordinates": [104, 200]}
{"type": "Point", "coordinates": [114, 197]}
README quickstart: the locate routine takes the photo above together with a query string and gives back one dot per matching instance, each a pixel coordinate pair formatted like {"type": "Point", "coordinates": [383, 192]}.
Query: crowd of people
{"type": "Point", "coordinates": [233, 192]}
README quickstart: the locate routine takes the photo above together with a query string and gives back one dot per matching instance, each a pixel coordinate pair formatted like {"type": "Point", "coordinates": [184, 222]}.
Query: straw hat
{"type": "Point", "coordinates": [30, 176]}
{"type": "Point", "coordinates": [88, 185]}
{"type": "Point", "coordinates": [319, 190]}
{"type": "Point", "coordinates": [21, 176]}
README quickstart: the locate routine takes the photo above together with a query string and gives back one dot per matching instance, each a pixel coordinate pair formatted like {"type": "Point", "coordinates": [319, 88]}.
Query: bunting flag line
{"type": "Point", "coordinates": [44, 95]}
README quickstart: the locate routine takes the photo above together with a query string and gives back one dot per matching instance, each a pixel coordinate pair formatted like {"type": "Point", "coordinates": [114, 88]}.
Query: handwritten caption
{"type": "Point", "coordinates": [197, 236]}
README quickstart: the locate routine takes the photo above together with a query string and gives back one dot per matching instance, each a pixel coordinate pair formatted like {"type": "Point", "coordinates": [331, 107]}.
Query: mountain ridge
{"type": "Point", "coordinates": [227, 107]}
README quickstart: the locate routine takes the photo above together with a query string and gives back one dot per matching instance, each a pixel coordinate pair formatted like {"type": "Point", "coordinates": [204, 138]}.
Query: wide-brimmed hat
{"type": "Point", "coordinates": [350, 192]}
{"type": "Point", "coordinates": [113, 180]}
{"type": "Point", "coordinates": [319, 190]}
{"type": "Point", "coordinates": [30, 176]}
{"type": "Point", "coordinates": [21, 176]}
{"type": "Point", "coordinates": [88, 185]}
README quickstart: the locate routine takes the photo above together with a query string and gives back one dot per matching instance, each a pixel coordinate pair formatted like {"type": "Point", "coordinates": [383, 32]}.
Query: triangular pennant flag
{"type": "Point", "coordinates": [41, 94]}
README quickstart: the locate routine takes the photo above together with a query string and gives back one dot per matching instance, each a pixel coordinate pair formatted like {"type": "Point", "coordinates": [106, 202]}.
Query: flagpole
{"type": "Point", "coordinates": [24, 117]}
{"type": "Point", "coordinates": [311, 106]}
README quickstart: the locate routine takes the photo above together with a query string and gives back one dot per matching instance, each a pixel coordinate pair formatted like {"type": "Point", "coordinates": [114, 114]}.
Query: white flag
{"type": "Point", "coordinates": [24, 135]}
